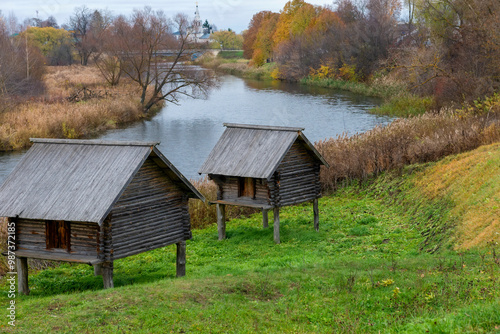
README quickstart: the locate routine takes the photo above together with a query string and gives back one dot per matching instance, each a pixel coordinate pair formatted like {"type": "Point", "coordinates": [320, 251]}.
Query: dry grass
{"type": "Point", "coordinates": [425, 138]}
{"type": "Point", "coordinates": [53, 116]}
{"type": "Point", "coordinates": [472, 181]}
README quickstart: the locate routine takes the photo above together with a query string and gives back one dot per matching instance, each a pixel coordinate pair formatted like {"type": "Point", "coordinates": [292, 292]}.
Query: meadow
{"type": "Point", "coordinates": [379, 264]}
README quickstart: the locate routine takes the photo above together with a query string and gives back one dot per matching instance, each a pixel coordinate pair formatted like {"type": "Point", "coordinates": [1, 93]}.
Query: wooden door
{"type": "Point", "coordinates": [57, 234]}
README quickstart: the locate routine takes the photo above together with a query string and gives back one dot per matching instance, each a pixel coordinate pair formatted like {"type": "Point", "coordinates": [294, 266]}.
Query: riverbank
{"type": "Point", "coordinates": [227, 64]}
{"type": "Point", "coordinates": [398, 102]}
{"type": "Point", "coordinates": [77, 103]}
{"type": "Point", "coordinates": [366, 270]}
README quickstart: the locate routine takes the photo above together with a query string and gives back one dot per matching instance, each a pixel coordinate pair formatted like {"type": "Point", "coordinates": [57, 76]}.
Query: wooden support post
{"type": "Point", "coordinates": [181, 259]}
{"type": "Point", "coordinates": [265, 218]}
{"type": "Point", "coordinates": [97, 270]}
{"type": "Point", "coordinates": [22, 275]}
{"type": "Point", "coordinates": [277, 225]}
{"type": "Point", "coordinates": [316, 214]}
{"type": "Point", "coordinates": [107, 274]}
{"type": "Point", "coordinates": [221, 221]}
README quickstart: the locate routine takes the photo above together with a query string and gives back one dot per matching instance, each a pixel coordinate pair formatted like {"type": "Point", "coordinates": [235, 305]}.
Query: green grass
{"type": "Point", "coordinates": [397, 101]}
{"type": "Point", "coordinates": [361, 273]}
{"type": "Point", "coordinates": [404, 105]}
{"type": "Point", "coordinates": [383, 91]}
{"type": "Point", "coordinates": [230, 54]}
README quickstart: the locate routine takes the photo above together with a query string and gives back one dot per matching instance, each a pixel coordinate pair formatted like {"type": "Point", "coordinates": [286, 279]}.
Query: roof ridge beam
{"type": "Point", "coordinates": [92, 142]}
{"type": "Point", "coordinates": [263, 127]}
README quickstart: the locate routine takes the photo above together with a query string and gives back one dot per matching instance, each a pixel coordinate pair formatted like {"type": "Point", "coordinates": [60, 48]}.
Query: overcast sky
{"type": "Point", "coordinates": [234, 14]}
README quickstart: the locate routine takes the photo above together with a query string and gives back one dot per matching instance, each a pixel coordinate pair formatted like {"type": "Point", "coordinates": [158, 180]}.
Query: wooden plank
{"type": "Point", "coordinates": [238, 202]}
{"type": "Point", "coordinates": [92, 142]}
{"type": "Point", "coordinates": [221, 221]}
{"type": "Point", "coordinates": [276, 225]}
{"type": "Point", "coordinates": [316, 214]}
{"type": "Point", "coordinates": [181, 259]}
{"type": "Point", "coordinates": [57, 256]}
{"type": "Point", "coordinates": [107, 274]}
{"type": "Point", "coordinates": [22, 275]}
{"type": "Point", "coordinates": [97, 270]}
{"type": "Point", "coordinates": [265, 218]}
{"type": "Point", "coordinates": [262, 127]}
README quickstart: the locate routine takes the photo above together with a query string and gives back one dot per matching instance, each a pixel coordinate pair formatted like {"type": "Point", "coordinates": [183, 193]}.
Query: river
{"type": "Point", "coordinates": [189, 131]}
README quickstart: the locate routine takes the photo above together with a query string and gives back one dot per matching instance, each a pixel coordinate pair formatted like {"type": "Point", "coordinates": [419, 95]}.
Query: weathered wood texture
{"type": "Point", "coordinates": [70, 182]}
{"type": "Point", "coordinates": [22, 275]}
{"type": "Point", "coordinates": [229, 190]}
{"type": "Point", "coordinates": [83, 237]}
{"type": "Point", "coordinates": [107, 275]}
{"type": "Point", "coordinates": [97, 269]}
{"type": "Point", "coordinates": [277, 225]}
{"type": "Point", "coordinates": [316, 214]}
{"type": "Point", "coordinates": [265, 218]}
{"type": "Point", "coordinates": [248, 152]}
{"type": "Point", "coordinates": [297, 177]}
{"type": "Point", "coordinates": [151, 213]}
{"type": "Point", "coordinates": [181, 259]}
{"type": "Point", "coordinates": [221, 221]}
{"type": "Point", "coordinates": [253, 150]}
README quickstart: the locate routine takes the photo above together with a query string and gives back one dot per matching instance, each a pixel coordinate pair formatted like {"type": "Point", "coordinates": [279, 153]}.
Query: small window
{"type": "Point", "coordinates": [246, 187]}
{"type": "Point", "coordinates": [57, 235]}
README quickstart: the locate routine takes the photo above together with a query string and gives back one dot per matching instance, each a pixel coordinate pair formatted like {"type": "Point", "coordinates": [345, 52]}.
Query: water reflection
{"type": "Point", "coordinates": [189, 131]}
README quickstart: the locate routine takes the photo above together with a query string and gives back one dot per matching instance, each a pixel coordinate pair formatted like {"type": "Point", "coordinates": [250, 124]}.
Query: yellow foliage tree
{"type": "Point", "coordinates": [283, 27]}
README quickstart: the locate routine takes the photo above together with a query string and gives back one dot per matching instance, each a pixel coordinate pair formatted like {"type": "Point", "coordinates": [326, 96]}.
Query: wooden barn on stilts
{"type": "Point", "coordinates": [94, 202]}
{"type": "Point", "coordinates": [264, 167]}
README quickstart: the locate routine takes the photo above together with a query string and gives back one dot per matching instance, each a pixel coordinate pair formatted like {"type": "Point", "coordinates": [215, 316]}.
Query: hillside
{"type": "Point", "coordinates": [471, 182]}
{"type": "Point", "coordinates": [364, 272]}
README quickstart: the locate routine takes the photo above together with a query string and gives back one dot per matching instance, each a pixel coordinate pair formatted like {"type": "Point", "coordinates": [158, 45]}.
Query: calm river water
{"type": "Point", "coordinates": [189, 131]}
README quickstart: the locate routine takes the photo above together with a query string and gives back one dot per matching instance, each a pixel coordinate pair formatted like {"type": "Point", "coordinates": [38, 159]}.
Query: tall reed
{"type": "Point", "coordinates": [420, 139]}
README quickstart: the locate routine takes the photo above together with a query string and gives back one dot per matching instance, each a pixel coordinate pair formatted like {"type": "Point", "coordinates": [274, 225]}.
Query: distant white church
{"type": "Point", "coordinates": [198, 32]}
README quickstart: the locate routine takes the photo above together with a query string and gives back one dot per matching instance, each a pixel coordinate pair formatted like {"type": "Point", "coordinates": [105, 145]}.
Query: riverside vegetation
{"type": "Point", "coordinates": [77, 103]}
{"type": "Point", "coordinates": [367, 270]}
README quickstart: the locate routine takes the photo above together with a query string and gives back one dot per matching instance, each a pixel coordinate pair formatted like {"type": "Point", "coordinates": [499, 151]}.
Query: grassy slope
{"type": "Point", "coordinates": [361, 273]}
{"type": "Point", "coordinates": [471, 181]}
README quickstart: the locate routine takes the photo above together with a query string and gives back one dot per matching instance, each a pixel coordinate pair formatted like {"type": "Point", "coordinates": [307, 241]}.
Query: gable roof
{"type": "Point", "coordinates": [77, 180]}
{"type": "Point", "coordinates": [253, 150]}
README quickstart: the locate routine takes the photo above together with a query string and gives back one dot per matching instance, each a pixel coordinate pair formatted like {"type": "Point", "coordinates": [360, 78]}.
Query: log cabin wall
{"type": "Point", "coordinates": [229, 189]}
{"type": "Point", "coordinates": [84, 237]}
{"type": "Point", "coordinates": [151, 213]}
{"type": "Point", "coordinates": [298, 176]}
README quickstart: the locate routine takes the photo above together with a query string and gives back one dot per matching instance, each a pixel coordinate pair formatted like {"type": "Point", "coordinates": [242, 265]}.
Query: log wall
{"type": "Point", "coordinates": [228, 189]}
{"type": "Point", "coordinates": [297, 177]}
{"type": "Point", "coordinates": [84, 237]}
{"type": "Point", "coordinates": [151, 213]}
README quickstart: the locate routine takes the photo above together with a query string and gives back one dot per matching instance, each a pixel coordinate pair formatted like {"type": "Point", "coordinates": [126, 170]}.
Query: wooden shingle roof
{"type": "Point", "coordinates": [253, 150]}
{"type": "Point", "coordinates": [77, 180]}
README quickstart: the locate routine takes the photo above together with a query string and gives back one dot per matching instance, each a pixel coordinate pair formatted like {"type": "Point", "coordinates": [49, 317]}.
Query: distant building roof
{"type": "Point", "coordinates": [78, 180]}
{"type": "Point", "coordinates": [253, 150]}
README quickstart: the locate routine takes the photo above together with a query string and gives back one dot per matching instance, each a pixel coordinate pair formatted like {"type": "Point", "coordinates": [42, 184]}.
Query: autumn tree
{"type": "Point", "coordinates": [54, 44]}
{"type": "Point", "coordinates": [263, 46]}
{"type": "Point", "coordinates": [459, 59]}
{"type": "Point", "coordinates": [250, 34]}
{"type": "Point", "coordinates": [88, 27]}
{"type": "Point", "coordinates": [141, 40]}
{"type": "Point", "coordinates": [21, 67]}
{"type": "Point", "coordinates": [286, 17]}
{"type": "Point", "coordinates": [228, 40]}
{"type": "Point", "coordinates": [320, 44]}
